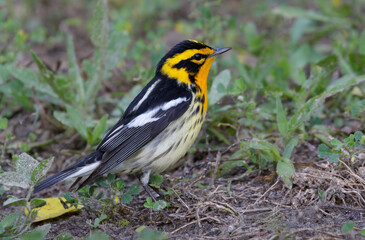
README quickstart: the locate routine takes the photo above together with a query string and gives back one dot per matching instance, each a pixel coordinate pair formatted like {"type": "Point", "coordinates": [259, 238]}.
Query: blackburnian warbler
{"type": "Point", "coordinates": [160, 124]}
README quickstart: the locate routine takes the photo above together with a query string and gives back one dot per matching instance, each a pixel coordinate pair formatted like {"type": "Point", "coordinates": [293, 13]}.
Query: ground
{"type": "Point", "coordinates": [257, 206]}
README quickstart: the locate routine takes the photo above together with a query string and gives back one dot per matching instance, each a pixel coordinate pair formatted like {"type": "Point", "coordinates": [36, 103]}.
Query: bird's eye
{"type": "Point", "coordinates": [197, 57]}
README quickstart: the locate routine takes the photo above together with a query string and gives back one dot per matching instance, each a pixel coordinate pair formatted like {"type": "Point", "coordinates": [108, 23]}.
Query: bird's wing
{"type": "Point", "coordinates": [149, 114]}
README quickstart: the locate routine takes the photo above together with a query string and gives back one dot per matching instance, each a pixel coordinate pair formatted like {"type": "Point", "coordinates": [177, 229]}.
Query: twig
{"type": "Point", "coordinates": [193, 222]}
{"type": "Point", "coordinates": [198, 219]}
{"type": "Point", "coordinates": [352, 173]}
{"type": "Point", "coordinates": [268, 190]}
{"type": "Point", "coordinates": [217, 160]}
{"type": "Point", "coordinates": [224, 206]}
{"type": "Point", "coordinates": [178, 196]}
{"type": "Point", "coordinates": [344, 208]}
{"type": "Point", "coordinates": [258, 210]}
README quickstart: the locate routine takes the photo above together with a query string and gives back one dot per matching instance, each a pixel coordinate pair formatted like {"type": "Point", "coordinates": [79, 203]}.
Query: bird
{"type": "Point", "coordinates": [158, 127]}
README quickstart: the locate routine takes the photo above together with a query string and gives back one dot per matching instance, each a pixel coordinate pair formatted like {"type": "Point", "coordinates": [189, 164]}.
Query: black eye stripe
{"type": "Point", "coordinates": [198, 56]}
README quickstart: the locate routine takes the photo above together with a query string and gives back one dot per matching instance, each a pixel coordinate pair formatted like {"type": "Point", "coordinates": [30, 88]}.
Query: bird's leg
{"type": "Point", "coordinates": [144, 179]}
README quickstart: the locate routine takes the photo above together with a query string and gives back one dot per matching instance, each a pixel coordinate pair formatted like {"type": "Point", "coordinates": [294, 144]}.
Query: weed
{"type": "Point", "coordinates": [346, 151]}
{"type": "Point", "coordinates": [28, 172]}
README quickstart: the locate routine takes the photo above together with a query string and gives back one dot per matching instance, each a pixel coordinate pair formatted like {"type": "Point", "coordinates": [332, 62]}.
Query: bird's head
{"type": "Point", "coordinates": [189, 61]}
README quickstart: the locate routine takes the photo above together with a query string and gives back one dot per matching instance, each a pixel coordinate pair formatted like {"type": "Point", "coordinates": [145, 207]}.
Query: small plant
{"type": "Point", "coordinates": [97, 221]}
{"type": "Point", "coordinates": [27, 174]}
{"type": "Point", "coordinates": [155, 182]}
{"type": "Point", "coordinates": [89, 196]}
{"type": "Point", "coordinates": [349, 226]}
{"type": "Point", "coordinates": [145, 233]}
{"type": "Point", "coordinates": [345, 151]}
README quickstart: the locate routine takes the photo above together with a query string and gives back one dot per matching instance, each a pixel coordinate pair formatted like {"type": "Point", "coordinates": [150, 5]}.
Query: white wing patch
{"type": "Point", "coordinates": [145, 95]}
{"type": "Point", "coordinates": [173, 103]}
{"type": "Point", "coordinates": [86, 170]}
{"type": "Point", "coordinates": [148, 116]}
{"type": "Point", "coordinates": [144, 118]}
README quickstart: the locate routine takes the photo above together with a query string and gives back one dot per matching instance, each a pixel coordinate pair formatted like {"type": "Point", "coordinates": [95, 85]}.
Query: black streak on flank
{"type": "Point", "coordinates": [197, 109]}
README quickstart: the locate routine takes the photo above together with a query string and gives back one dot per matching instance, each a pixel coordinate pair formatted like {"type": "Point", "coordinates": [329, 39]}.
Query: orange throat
{"type": "Point", "coordinates": [201, 80]}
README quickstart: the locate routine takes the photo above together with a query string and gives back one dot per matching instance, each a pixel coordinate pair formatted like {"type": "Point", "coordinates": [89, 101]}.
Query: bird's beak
{"type": "Point", "coordinates": [218, 51]}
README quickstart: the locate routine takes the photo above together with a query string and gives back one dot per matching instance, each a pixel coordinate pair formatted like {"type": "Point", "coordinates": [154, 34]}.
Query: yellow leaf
{"type": "Point", "coordinates": [52, 209]}
{"type": "Point", "coordinates": [336, 3]}
{"type": "Point", "coordinates": [357, 91]}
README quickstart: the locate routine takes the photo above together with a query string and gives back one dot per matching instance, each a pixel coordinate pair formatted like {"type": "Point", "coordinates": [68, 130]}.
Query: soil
{"type": "Point", "coordinates": [256, 206]}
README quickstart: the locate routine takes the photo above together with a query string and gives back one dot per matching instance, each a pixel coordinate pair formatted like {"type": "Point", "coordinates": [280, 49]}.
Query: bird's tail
{"type": "Point", "coordinates": [79, 169]}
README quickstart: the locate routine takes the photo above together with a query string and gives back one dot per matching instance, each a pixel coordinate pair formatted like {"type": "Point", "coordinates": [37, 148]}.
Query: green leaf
{"type": "Point", "coordinates": [37, 202]}
{"type": "Point", "coordinates": [285, 169]}
{"type": "Point", "coordinates": [64, 236]}
{"type": "Point", "coordinates": [349, 141]}
{"type": "Point", "coordinates": [296, 12]}
{"type": "Point", "coordinates": [24, 166]}
{"type": "Point", "coordinates": [222, 80]}
{"type": "Point", "coordinates": [110, 178]}
{"type": "Point", "coordinates": [159, 205]}
{"type": "Point", "coordinates": [9, 220]}
{"type": "Point", "coordinates": [2, 230]}
{"type": "Point", "coordinates": [336, 143]}
{"type": "Point", "coordinates": [74, 71]}
{"type": "Point", "coordinates": [99, 220]}
{"type": "Point", "coordinates": [40, 171]}
{"type": "Point", "coordinates": [37, 233]}
{"type": "Point", "coordinates": [358, 135]}
{"type": "Point", "coordinates": [303, 113]}
{"type": "Point", "coordinates": [77, 121]}
{"type": "Point", "coordinates": [140, 228]}
{"type": "Point", "coordinates": [98, 235]}
{"type": "Point", "coordinates": [98, 130]}
{"type": "Point", "coordinates": [281, 117]}
{"type": "Point", "coordinates": [14, 201]}
{"type": "Point", "coordinates": [362, 43]}
{"type": "Point", "coordinates": [298, 28]}
{"type": "Point", "coordinates": [201, 186]}
{"type": "Point", "coordinates": [289, 147]}
{"type": "Point", "coordinates": [100, 25]}
{"type": "Point", "coordinates": [3, 123]}
{"type": "Point", "coordinates": [219, 135]}
{"type": "Point", "coordinates": [348, 227]}
{"type": "Point", "coordinates": [342, 84]}
{"type": "Point", "coordinates": [134, 189]}
{"type": "Point", "coordinates": [362, 232]}
{"type": "Point", "coordinates": [334, 157]}
{"type": "Point", "coordinates": [59, 84]}
{"type": "Point", "coordinates": [156, 180]}
{"type": "Point", "coordinates": [148, 234]}
{"type": "Point", "coordinates": [252, 38]}
{"type": "Point", "coordinates": [127, 198]}
{"type": "Point", "coordinates": [148, 203]}
{"type": "Point", "coordinates": [63, 118]}
{"type": "Point", "coordinates": [320, 194]}
{"type": "Point", "coordinates": [324, 151]}
{"type": "Point", "coordinates": [263, 145]}
{"type": "Point", "coordinates": [119, 184]}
